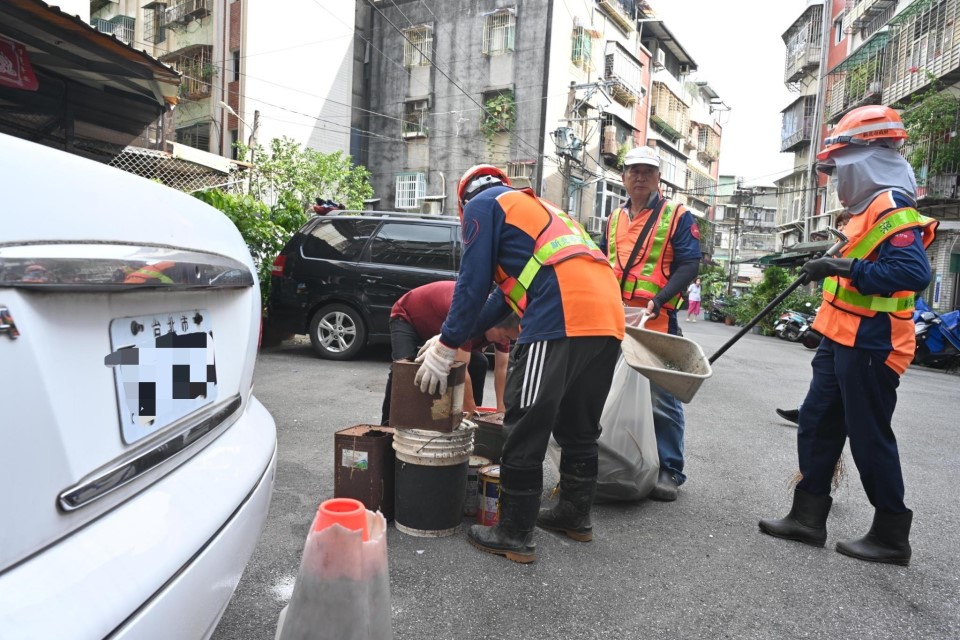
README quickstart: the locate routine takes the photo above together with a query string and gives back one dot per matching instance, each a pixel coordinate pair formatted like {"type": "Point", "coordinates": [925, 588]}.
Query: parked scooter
{"type": "Point", "coordinates": [938, 337]}
{"type": "Point", "coordinates": [789, 324]}
{"type": "Point", "coordinates": [716, 312]}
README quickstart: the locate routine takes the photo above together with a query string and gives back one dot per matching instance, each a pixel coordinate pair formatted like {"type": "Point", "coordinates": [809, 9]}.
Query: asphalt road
{"type": "Point", "coordinates": [694, 568]}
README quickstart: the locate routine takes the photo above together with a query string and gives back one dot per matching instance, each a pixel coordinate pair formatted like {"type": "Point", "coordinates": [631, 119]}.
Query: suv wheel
{"type": "Point", "coordinates": [337, 332]}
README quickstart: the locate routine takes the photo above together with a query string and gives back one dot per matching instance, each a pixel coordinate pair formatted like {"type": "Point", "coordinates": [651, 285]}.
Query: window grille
{"type": "Point", "coordinates": [154, 24]}
{"type": "Point", "coordinates": [415, 119]}
{"type": "Point", "coordinates": [417, 46]}
{"type": "Point", "coordinates": [582, 47]}
{"type": "Point", "coordinates": [668, 114]}
{"type": "Point", "coordinates": [197, 136]}
{"type": "Point", "coordinates": [499, 33]}
{"type": "Point", "coordinates": [198, 72]}
{"type": "Point", "coordinates": [410, 189]}
{"type": "Point", "coordinates": [624, 74]}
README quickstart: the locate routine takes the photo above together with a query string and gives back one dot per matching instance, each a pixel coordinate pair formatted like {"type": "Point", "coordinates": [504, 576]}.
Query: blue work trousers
{"type": "Point", "coordinates": [668, 424]}
{"type": "Point", "coordinates": [853, 394]}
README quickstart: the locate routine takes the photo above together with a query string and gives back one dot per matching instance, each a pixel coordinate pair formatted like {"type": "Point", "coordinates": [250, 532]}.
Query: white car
{"type": "Point", "coordinates": [136, 465]}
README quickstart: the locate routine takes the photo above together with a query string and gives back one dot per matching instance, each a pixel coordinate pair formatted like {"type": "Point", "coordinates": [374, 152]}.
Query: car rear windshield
{"type": "Point", "coordinates": [338, 239]}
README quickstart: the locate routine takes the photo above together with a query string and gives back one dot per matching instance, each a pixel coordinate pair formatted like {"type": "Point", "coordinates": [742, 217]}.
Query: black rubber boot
{"type": "Point", "coordinates": [571, 514]}
{"type": "Point", "coordinates": [806, 522]}
{"type": "Point", "coordinates": [512, 535]}
{"type": "Point", "coordinates": [888, 540]}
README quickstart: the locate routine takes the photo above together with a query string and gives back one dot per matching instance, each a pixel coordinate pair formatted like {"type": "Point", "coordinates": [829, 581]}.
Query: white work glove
{"type": "Point", "coordinates": [426, 347]}
{"type": "Point", "coordinates": [435, 368]}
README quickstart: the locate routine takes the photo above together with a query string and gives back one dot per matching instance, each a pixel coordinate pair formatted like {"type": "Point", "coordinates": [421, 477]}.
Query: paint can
{"type": "Point", "coordinates": [472, 500]}
{"type": "Point", "coordinates": [431, 480]}
{"type": "Point", "coordinates": [489, 511]}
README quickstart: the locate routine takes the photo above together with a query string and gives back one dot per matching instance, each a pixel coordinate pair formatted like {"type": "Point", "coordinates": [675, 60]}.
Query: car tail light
{"type": "Point", "coordinates": [279, 264]}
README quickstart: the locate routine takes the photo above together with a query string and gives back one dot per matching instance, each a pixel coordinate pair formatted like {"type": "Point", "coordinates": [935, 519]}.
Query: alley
{"type": "Point", "coordinates": [696, 568]}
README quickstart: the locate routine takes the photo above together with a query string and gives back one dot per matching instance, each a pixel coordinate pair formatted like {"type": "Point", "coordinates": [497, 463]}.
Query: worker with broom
{"type": "Point", "coordinates": [868, 337]}
{"type": "Point", "coordinates": [551, 273]}
{"type": "Point", "coordinates": [654, 247]}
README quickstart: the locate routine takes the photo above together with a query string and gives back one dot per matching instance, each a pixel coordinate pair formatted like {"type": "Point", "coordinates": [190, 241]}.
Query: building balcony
{"type": "Point", "coordinates": [622, 74]}
{"type": "Point", "coordinates": [860, 13]}
{"type": "Point", "coordinates": [922, 46]}
{"type": "Point", "coordinates": [935, 159]}
{"type": "Point", "coordinates": [668, 113]}
{"type": "Point", "coordinates": [803, 42]}
{"type": "Point", "coordinates": [123, 27]}
{"type": "Point", "coordinates": [859, 79]}
{"type": "Point", "coordinates": [619, 13]}
{"type": "Point", "coordinates": [797, 124]}
{"type": "Point", "coordinates": [96, 5]}
{"type": "Point", "coordinates": [186, 11]}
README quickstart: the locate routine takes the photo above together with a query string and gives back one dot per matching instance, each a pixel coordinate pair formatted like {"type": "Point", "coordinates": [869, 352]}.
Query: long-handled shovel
{"type": "Point", "coordinates": [832, 251]}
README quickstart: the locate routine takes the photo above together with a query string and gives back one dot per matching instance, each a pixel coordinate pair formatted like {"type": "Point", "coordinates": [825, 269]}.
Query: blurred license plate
{"type": "Point", "coordinates": [164, 368]}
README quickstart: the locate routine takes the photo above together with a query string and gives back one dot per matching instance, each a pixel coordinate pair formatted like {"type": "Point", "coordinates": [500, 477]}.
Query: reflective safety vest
{"type": "Point", "coordinates": [561, 239]}
{"type": "Point", "coordinates": [845, 308]}
{"type": "Point", "coordinates": [841, 293]}
{"type": "Point", "coordinates": [647, 275]}
{"type": "Point", "coordinates": [150, 272]}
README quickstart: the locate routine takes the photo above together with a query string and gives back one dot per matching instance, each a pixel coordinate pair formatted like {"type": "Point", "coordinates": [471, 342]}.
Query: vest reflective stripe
{"type": "Point", "coordinates": [842, 294]}
{"type": "Point", "coordinates": [870, 303]}
{"type": "Point", "coordinates": [560, 240]}
{"type": "Point", "coordinates": [887, 226]}
{"type": "Point", "coordinates": [642, 275]}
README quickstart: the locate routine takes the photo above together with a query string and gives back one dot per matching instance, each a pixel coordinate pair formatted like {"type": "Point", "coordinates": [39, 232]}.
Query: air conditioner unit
{"type": "Point", "coordinates": [596, 224]}
{"type": "Point", "coordinates": [661, 59]}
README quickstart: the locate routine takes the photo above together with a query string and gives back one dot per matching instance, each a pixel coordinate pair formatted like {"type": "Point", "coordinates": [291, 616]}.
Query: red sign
{"type": "Point", "coordinates": [15, 69]}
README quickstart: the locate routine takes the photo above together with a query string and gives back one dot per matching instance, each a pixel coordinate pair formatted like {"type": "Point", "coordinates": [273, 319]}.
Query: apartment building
{"type": "Point", "coordinates": [554, 93]}
{"type": "Point", "coordinates": [893, 52]}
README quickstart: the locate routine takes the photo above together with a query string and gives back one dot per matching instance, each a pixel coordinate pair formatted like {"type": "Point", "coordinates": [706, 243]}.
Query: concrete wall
{"type": "Point", "coordinates": [455, 86]}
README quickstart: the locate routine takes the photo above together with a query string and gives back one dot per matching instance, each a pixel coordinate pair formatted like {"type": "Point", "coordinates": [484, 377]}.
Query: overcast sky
{"type": "Point", "coordinates": [738, 49]}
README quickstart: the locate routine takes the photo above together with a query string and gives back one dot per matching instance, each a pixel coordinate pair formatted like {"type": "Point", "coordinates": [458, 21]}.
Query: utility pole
{"type": "Point", "coordinates": [739, 197]}
{"type": "Point", "coordinates": [251, 141]}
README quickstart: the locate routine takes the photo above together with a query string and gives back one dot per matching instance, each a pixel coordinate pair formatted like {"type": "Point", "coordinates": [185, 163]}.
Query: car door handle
{"type": "Point", "coordinates": [372, 279]}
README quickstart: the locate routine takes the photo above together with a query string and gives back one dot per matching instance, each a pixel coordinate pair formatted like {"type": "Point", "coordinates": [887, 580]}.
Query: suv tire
{"type": "Point", "coordinates": [337, 332]}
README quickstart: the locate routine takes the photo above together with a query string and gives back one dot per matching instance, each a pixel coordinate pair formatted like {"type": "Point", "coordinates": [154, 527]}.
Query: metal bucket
{"type": "Point", "coordinates": [489, 511]}
{"type": "Point", "coordinates": [430, 481]}
{"type": "Point", "coordinates": [676, 364]}
{"type": "Point", "coordinates": [472, 500]}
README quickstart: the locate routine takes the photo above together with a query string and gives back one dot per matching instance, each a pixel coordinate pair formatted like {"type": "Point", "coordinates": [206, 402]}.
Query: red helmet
{"type": "Point", "coordinates": [475, 177]}
{"type": "Point", "coordinates": [864, 125]}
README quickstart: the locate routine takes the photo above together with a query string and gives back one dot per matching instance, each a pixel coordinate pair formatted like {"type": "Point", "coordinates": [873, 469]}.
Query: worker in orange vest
{"type": "Point", "coordinates": [550, 273]}
{"type": "Point", "coordinates": [654, 247]}
{"type": "Point", "coordinates": [868, 337]}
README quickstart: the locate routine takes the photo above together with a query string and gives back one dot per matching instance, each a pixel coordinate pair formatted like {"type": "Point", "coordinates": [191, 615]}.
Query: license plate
{"type": "Point", "coordinates": [164, 369]}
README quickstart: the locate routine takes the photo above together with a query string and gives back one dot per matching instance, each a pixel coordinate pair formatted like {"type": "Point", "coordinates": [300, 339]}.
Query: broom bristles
{"type": "Point", "coordinates": [839, 472]}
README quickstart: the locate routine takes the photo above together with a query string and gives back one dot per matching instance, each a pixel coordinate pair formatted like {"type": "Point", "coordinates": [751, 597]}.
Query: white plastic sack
{"type": "Point", "coordinates": [628, 461]}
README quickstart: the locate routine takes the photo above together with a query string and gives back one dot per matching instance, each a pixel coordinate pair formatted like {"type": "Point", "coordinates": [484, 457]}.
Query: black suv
{"type": "Point", "coordinates": [339, 275]}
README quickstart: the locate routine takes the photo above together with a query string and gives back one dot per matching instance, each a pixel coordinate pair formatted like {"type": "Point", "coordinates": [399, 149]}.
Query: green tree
{"type": "Point", "coordinates": [264, 235]}
{"type": "Point", "coordinates": [288, 176]}
{"type": "Point", "coordinates": [775, 281]}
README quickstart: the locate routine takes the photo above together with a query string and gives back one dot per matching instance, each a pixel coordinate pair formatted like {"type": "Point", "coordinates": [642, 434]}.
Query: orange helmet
{"type": "Point", "coordinates": [864, 125]}
{"type": "Point", "coordinates": [478, 176]}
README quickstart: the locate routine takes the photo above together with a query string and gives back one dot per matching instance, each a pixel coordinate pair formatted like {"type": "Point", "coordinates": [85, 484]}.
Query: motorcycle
{"type": "Point", "coordinates": [938, 337]}
{"type": "Point", "coordinates": [789, 324]}
{"type": "Point", "coordinates": [716, 312]}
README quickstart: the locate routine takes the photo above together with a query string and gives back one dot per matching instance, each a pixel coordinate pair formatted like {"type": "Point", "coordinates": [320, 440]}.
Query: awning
{"type": "Point", "coordinates": [795, 255]}
{"type": "Point", "coordinates": [94, 95]}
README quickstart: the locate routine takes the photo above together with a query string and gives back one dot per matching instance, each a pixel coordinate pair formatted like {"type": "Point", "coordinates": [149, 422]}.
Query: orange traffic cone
{"type": "Point", "coordinates": [343, 587]}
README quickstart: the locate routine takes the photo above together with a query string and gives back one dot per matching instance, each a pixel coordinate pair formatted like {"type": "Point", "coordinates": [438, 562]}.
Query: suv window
{"type": "Point", "coordinates": [424, 246]}
{"type": "Point", "coordinates": [338, 239]}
